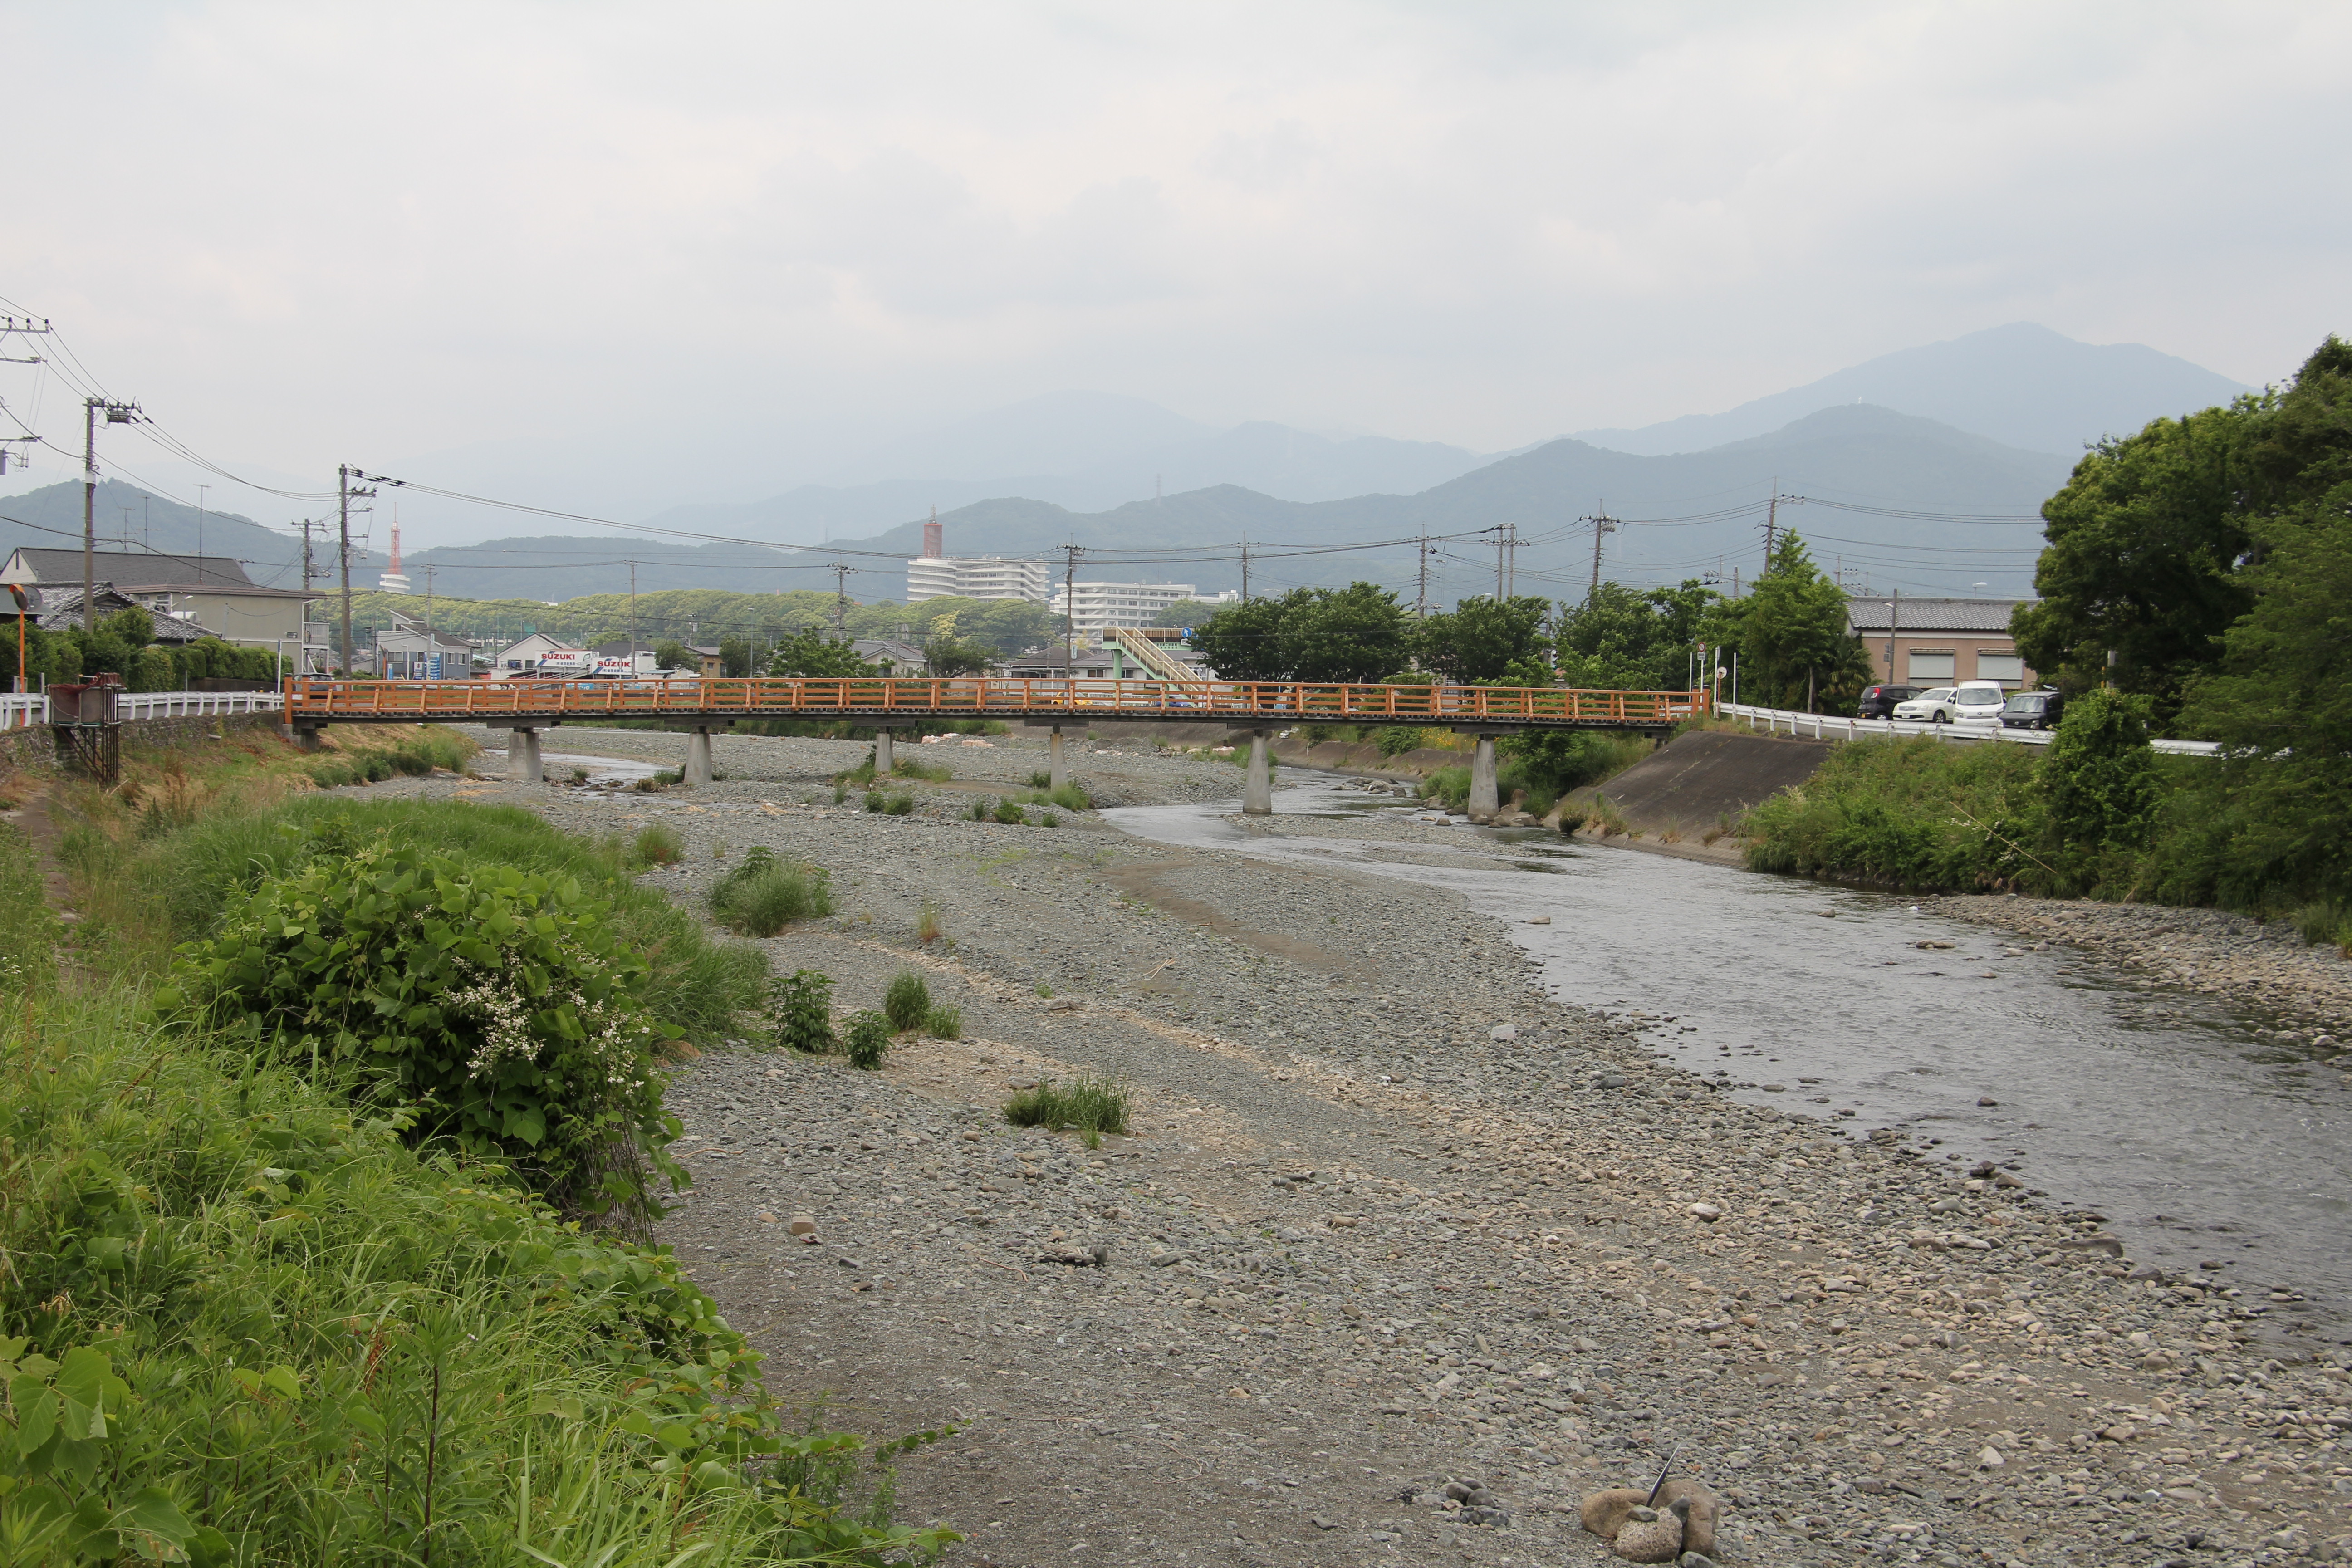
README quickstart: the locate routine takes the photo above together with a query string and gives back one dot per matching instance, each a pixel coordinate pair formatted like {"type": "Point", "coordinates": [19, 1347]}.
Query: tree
{"type": "Point", "coordinates": [1186, 612]}
{"type": "Point", "coordinates": [1623, 639]}
{"type": "Point", "coordinates": [734, 657]}
{"type": "Point", "coordinates": [810, 653]}
{"type": "Point", "coordinates": [671, 654]}
{"type": "Point", "coordinates": [1358, 633]}
{"type": "Point", "coordinates": [1796, 648]}
{"type": "Point", "coordinates": [1486, 639]}
{"type": "Point", "coordinates": [2281, 702]}
{"type": "Point", "coordinates": [1243, 641]}
{"type": "Point", "coordinates": [2145, 542]}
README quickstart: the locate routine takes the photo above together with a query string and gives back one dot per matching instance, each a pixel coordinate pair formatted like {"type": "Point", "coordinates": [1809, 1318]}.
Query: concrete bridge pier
{"type": "Point", "coordinates": [522, 757]}
{"type": "Point", "coordinates": [1057, 762]}
{"type": "Point", "coordinates": [885, 757]}
{"type": "Point", "coordinates": [1257, 795]}
{"type": "Point", "coordinates": [698, 757]}
{"type": "Point", "coordinates": [1485, 799]}
{"type": "Point", "coordinates": [304, 736]}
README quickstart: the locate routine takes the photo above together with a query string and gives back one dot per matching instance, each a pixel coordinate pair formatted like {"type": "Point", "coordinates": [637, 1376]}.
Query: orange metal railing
{"type": "Point", "coordinates": [1286, 701]}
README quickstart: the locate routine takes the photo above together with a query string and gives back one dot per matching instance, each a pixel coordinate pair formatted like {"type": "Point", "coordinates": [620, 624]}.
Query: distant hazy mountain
{"type": "Point", "coordinates": [2023, 385]}
{"type": "Point", "coordinates": [126, 518]}
{"type": "Point", "coordinates": [1865, 456]}
{"type": "Point", "coordinates": [1101, 441]}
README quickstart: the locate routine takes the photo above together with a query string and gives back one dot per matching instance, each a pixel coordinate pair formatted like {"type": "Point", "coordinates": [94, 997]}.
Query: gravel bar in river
{"type": "Point", "coordinates": [1388, 1218]}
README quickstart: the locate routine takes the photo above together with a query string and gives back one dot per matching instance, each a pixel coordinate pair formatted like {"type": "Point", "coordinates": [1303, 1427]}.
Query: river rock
{"type": "Point", "coordinates": [1707, 1212]}
{"type": "Point", "coordinates": [1649, 1536]}
{"type": "Point", "coordinates": [1605, 1511]}
{"type": "Point", "coordinates": [1698, 1508]}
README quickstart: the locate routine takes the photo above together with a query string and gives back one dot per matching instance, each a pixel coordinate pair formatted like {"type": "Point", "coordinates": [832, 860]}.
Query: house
{"type": "Point", "coordinates": [709, 661]}
{"type": "Point", "coordinates": [58, 609]}
{"type": "Point", "coordinates": [1054, 663]}
{"type": "Point", "coordinates": [1935, 642]}
{"type": "Point", "coordinates": [410, 650]}
{"type": "Point", "coordinates": [891, 656]}
{"type": "Point", "coordinates": [211, 591]}
{"type": "Point", "coordinates": [520, 661]}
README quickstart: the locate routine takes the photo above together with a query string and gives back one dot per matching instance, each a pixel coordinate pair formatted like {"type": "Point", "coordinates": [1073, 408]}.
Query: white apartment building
{"type": "Point", "coordinates": [1101, 605]}
{"type": "Point", "coordinates": [977, 577]}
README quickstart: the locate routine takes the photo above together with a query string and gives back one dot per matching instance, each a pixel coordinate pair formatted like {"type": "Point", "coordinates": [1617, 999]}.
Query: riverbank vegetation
{"type": "Point", "coordinates": [308, 1120]}
{"type": "Point", "coordinates": [2214, 554]}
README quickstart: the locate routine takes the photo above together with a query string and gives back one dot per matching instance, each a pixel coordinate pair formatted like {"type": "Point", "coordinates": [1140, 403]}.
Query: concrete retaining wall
{"type": "Point", "coordinates": [1705, 775]}
{"type": "Point", "coordinates": [36, 749]}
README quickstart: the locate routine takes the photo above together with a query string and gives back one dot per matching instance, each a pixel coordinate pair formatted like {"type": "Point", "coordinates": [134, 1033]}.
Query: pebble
{"type": "Point", "coordinates": [1525, 1292]}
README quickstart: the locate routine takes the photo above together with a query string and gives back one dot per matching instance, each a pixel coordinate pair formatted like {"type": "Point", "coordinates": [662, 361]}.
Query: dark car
{"type": "Point", "coordinates": [1879, 702]}
{"type": "Point", "coordinates": [2032, 711]}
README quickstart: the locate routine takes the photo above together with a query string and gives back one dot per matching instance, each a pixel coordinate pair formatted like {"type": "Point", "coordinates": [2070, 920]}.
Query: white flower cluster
{"type": "Point", "coordinates": [504, 1017]}
{"type": "Point", "coordinates": [618, 1038]}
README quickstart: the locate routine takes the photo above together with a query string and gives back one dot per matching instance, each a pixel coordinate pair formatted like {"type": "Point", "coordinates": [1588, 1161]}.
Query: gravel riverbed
{"type": "Point", "coordinates": [1388, 1218]}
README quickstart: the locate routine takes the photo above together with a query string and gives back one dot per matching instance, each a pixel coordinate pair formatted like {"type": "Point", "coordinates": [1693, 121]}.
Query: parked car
{"type": "Point", "coordinates": [2032, 711]}
{"type": "Point", "coordinates": [1977, 702]}
{"type": "Point", "coordinates": [1879, 702]}
{"type": "Point", "coordinates": [1930, 704]}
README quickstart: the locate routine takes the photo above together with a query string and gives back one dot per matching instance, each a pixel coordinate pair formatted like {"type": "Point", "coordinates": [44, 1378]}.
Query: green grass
{"type": "Point", "coordinates": [907, 1002]}
{"type": "Point", "coordinates": [1911, 812]}
{"type": "Point", "coordinates": [916, 768]}
{"type": "Point", "coordinates": [331, 1349]}
{"type": "Point", "coordinates": [943, 1022]}
{"type": "Point", "coordinates": [657, 845]}
{"type": "Point", "coordinates": [762, 894]}
{"type": "Point", "coordinates": [186, 876]}
{"type": "Point", "coordinates": [1094, 1104]}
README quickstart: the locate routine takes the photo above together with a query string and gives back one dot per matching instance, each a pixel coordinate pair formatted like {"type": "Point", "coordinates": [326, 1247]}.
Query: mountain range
{"type": "Point", "coordinates": [1985, 425]}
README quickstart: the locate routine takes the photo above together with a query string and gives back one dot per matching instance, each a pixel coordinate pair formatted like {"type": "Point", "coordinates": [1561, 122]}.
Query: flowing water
{"type": "Point", "coordinates": [2162, 1111]}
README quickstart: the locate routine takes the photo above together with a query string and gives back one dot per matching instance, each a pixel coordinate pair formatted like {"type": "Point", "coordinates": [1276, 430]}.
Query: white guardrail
{"type": "Point", "coordinates": [21, 712]}
{"type": "Point", "coordinates": [1826, 727]}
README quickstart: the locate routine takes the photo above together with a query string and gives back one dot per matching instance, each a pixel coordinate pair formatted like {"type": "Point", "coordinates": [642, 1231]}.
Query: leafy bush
{"type": "Point", "coordinates": [899, 805]}
{"type": "Point", "coordinates": [1450, 787]}
{"type": "Point", "coordinates": [801, 1009]}
{"type": "Point", "coordinates": [694, 982]}
{"type": "Point", "coordinates": [1046, 819]}
{"type": "Point", "coordinates": [1041, 779]}
{"type": "Point", "coordinates": [657, 845]}
{"type": "Point", "coordinates": [489, 1007]}
{"type": "Point", "coordinates": [944, 1023]}
{"type": "Point", "coordinates": [1395, 740]}
{"type": "Point", "coordinates": [2099, 773]}
{"type": "Point", "coordinates": [1070, 797]}
{"type": "Point", "coordinates": [868, 1040]}
{"type": "Point", "coordinates": [907, 1001]}
{"type": "Point", "coordinates": [762, 894]}
{"type": "Point", "coordinates": [1009, 814]}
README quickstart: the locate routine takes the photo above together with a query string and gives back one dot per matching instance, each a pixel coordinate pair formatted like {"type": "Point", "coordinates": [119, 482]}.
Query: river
{"type": "Point", "coordinates": [2158, 1110]}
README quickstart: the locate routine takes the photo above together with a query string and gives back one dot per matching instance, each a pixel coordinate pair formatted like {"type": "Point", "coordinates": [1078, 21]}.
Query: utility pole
{"type": "Point", "coordinates": [1771, 523]}
{"type": "Point", "coordinates": [344, 496]}
{"type": "Point", "coordinates": [1603, 525]}
{"type": "Point", "coordinates": [1245, 571]}
{"type": "Point", "coordinates": [1070, 605]}
{"type": "Point", "coordinates": [116, 414]}
{"type": "Point", "coordinates": [1502, 534]}
{"type": "Point", "coordinates": [1421, 600]}
{"type": "Point", "coordinates": [1894, 616]}
{"type": "Point", "coordinates": [632, 620]}
{"type": "Point", "coordinates": [200, 534]}
{"type": "Point", "coordinates": [306, 555]}
{"type": "Point", "coordinates": [840, 600]}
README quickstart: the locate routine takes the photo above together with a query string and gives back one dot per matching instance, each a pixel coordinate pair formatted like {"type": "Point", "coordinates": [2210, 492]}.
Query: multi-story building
{"type": "Point", "coordinates": [1101, 605]}
{"type": "Point", "coordinates": [977, 577]}
{"type": "Point", "coordinates": [1935, 642]}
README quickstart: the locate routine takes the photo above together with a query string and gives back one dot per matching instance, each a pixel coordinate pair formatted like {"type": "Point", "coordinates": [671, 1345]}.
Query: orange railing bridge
{"type": "Point", "coordinates": [888, 704]}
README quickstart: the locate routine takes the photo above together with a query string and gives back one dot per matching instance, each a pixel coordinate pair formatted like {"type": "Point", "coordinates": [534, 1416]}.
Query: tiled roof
{"type": "Point", "coordinates": [1983, 617]}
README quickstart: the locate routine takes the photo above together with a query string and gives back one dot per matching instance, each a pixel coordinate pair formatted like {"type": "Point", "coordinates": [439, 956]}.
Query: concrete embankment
{"type": "Point", "coordinates": [1706, 778]}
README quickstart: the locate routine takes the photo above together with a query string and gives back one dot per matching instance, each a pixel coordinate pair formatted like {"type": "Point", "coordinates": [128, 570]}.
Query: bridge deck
{"type": "Point", "coordinates": [1235, 704]}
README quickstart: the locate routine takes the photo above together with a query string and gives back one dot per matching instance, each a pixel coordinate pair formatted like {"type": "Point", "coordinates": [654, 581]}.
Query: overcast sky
{"type": "Point", "coordinates": [688, 252]}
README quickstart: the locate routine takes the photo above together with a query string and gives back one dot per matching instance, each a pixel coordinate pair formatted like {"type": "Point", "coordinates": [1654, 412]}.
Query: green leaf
{"type": "Point", "coordinates": [36, 1412]}
{"type": "Point", "coordinates": [82, 1384]}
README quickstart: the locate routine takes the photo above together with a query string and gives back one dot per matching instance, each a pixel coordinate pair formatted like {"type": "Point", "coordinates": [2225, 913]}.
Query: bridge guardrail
{"type": "Point", "coordinates": [966, 697]}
